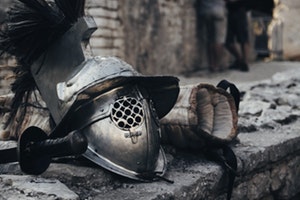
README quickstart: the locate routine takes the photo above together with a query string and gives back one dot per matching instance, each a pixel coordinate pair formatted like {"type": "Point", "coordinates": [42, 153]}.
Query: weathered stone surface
{"type": "Point", "coordinates": [271, 103]}
{"type": "Point", "coordinates": [28, 187]}
{"type": "Point", "coordinates": [6, 76]}
{"type": "Point", "coordinates": [268, 155]}
{"type": "Point", "coordinates": [160, 36]}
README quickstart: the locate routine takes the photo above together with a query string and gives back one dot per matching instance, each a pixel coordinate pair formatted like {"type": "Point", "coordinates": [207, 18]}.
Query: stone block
{"type": "Point", "coordinates": [29, 187]}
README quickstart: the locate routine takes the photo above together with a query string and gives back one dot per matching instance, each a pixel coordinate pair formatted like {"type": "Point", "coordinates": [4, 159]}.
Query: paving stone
{"type": "Point", "coordinates": [29, 187]}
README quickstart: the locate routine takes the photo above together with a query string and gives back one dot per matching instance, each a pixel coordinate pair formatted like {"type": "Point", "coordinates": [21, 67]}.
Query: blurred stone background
{"type": "Point", "coordinates": [161, 36]}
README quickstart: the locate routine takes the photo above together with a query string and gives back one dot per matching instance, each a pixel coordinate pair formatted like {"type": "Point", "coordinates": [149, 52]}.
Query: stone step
{"type": "Point", "coordinates": [268, 155]}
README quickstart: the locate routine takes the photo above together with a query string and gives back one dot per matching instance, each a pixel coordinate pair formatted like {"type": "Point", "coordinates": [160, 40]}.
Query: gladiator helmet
{"type": "Point", "coordinates": [114, 106]}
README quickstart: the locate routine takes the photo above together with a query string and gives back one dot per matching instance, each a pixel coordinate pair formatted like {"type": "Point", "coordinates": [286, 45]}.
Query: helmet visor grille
{"type": "Point", "coordinates": [127, 113]}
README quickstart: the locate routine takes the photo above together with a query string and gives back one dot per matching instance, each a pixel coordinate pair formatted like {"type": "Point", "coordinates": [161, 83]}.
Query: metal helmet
{"type": "Point", "coordinates": [122, 126]}
{"type": "Point", "coordinates": [116, 108]}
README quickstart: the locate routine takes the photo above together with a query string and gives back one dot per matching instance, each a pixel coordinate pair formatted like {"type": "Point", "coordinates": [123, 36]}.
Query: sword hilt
{"type": "Point", "coordinates": [35, 150]}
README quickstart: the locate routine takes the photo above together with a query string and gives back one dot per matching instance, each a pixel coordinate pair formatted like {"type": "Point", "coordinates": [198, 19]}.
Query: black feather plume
{"type": "Point", "coordinates": [72, 9]}
{"type": "Point", "coordinates": [31, 26]}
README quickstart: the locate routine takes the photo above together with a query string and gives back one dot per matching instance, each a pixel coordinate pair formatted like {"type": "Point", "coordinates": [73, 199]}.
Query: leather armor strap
{"type": "Point", "coordinates": [228, 159]}
{"type": "Point", "coordinates": [224, 84]}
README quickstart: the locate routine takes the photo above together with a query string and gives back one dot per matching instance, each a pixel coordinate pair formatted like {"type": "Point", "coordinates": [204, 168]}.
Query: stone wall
{"type": "Point", "coordinates": [288, 11]}
{"type": "Point", "coordinates": [6, 74]}
{"type": "Point", "coordinates": [160, 36]}
{"type": "Point", "coordinates": [154, 36]}
{"type": "Point", "coordinates": [109, 37]}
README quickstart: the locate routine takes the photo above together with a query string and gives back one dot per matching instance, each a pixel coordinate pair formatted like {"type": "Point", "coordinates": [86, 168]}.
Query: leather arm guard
{"type": "Point", "coordinates": [203, 115]}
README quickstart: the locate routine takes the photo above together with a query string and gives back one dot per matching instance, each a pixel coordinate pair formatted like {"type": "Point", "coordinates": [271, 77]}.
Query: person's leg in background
{"type": "Point", "coordinates": [237, 28]}
{"type": "Point", "coordinates": [243, 38]}
{"type": "Point", "coordinates": [215, 43]}
{"type": "Point", "coordinates": [211, 45]}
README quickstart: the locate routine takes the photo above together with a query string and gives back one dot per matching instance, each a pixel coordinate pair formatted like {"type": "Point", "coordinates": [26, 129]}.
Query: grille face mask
{"type": "Point", "coordinates": [123, 132]}
{"type": "Point", "coordinates": [127, 113]}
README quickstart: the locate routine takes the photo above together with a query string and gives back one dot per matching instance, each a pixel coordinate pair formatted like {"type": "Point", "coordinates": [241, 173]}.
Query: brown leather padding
{"type": "Point", "coordinates": [34, 114]}
{"type": "Point", "coordinates": [202, 114]}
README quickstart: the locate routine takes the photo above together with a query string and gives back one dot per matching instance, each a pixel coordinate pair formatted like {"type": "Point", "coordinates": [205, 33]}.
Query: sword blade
{"type": "Point", "coordinates": [8, 155]}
